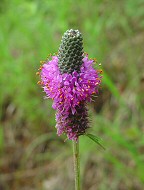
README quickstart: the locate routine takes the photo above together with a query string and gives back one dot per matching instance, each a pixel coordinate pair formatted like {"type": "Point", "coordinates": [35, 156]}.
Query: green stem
{"type": "Point", "coordinates": [76, 164]}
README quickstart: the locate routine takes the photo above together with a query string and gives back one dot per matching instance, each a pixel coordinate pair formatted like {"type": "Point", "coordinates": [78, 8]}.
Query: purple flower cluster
{"type": "Point", "coordinates": [70, 92]}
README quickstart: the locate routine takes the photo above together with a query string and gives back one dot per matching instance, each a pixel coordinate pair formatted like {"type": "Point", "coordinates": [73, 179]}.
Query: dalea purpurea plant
{"type": "Point", "coordinates": [70, 80]}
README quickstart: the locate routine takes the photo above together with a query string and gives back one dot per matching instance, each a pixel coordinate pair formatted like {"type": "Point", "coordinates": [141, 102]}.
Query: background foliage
{"type": "Point", "coordinates": [31, 154]}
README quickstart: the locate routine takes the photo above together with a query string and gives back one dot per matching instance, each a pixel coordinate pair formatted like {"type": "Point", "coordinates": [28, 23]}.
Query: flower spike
{"type": "Point", "coordinates": [70, 80]}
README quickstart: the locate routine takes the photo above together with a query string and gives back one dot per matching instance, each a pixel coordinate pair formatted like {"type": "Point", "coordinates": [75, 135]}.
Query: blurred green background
{"type": "Point", "coordinates": [32, 157]}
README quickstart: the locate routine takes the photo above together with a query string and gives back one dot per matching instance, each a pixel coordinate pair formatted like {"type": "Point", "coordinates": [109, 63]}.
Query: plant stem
{"type": "Point", "coordinates": [76, 164]}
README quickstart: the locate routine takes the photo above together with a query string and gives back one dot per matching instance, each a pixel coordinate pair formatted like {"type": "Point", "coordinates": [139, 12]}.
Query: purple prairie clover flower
{"type": "Point", "coordinates": [70, 80]}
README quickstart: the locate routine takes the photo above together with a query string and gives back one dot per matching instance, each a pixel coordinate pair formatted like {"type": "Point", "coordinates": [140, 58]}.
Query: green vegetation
{"type": "Point", "coordinates": [31, 154]}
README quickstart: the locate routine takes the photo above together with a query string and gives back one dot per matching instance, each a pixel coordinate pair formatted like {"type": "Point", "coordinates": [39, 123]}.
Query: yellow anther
{"type": "Point", "coordinates": [101, 71]}
{"type": "Point", "coordinates": [95, 60]}
{"type": "Point", "coordinates": [39, 82]}
{"type": "Point", "coordinates": [37, 73]}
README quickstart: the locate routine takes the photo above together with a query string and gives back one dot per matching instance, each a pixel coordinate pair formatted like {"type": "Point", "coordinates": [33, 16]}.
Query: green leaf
{"type": "Point", "coordinates": [95, 139]}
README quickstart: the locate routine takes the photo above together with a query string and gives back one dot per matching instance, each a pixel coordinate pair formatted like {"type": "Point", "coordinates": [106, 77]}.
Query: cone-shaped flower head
{"type": "Point", "coordinates": [70, 80]}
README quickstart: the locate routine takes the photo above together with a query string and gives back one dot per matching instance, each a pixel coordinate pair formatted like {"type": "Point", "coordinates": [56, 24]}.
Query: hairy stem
{"type": "Point", "coordinates": [76, 164]}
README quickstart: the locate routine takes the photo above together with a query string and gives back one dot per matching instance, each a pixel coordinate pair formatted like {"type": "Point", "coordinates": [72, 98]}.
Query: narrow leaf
{"type": "Point", "coordinates": [95, 139]}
